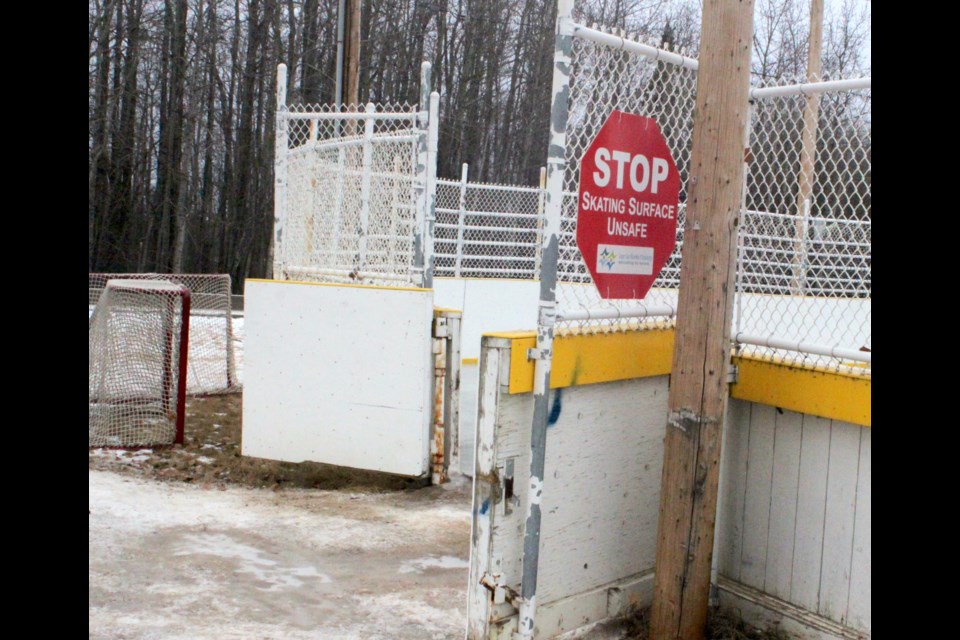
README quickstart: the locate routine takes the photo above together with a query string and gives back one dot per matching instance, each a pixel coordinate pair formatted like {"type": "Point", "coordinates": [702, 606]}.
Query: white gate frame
{"type": "Point", "coordinates": [424, 123]}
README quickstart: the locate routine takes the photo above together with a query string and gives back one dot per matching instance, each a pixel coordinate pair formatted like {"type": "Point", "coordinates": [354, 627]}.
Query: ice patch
{"type": "Point", "coordinates": [432, 562]}
{"type": "Point", "coordinates": [251, 561]}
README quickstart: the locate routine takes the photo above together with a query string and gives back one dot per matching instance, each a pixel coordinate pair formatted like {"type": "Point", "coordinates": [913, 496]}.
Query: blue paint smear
{"type": "Point", "coordinates": [485, 506]}
{"type": "Point", "coordinates": [555, 409]}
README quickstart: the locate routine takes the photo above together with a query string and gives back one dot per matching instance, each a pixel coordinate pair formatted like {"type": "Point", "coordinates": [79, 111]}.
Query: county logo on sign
{"type": "Point", "coordinates": [625, 259]}
{"type": "Point", "coordinates": [627, 205]}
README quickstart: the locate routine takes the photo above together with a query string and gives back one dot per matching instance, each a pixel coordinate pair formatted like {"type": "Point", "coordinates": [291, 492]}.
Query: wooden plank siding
{"type": "Point", "coordinates": [793, 517]}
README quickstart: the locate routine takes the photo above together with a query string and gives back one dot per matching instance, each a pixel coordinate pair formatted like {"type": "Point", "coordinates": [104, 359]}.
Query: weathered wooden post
{"type": "Point", "coordinates": [698, 390]}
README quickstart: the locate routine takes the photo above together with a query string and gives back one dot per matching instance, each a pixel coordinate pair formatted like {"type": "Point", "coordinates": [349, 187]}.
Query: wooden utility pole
{"type": "Point", "coordinates": [701, 359]}
{"type": "Point", "coordinates": [352, 83]}
{"type": "Point", "coordinates": [808, 150]}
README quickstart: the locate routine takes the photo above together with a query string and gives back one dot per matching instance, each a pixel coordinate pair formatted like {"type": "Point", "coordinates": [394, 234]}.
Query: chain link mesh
{"type": "Point", "coordinates": [803, 270]}
{"type": "Point", "coordinates": [351, 196]}
{"type": "Point", "coordinates": [603, 79]}
{"type": "Point", "coordinates": [134, 363]}
{"type": "Point", "coordinates": [487, 230]}
{"type": "Point", "coordinates": [211, 360]}
{"type": "Point", "coordinates": [804, 257]}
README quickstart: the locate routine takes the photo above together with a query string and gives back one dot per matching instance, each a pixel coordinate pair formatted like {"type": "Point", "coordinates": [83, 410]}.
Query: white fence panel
{"type": "Point", "coordinates": [339, 375]}
{"type": "Point", "coordinates": [793, 532]}
{"type": "Point", "coordinates": [804, 522]}
{"type": "Point", "coordinates": [600, 505]}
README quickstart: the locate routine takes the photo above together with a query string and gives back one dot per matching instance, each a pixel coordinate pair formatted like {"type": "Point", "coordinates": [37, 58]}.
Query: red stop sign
{"type": "Point", "coordinates": [627, 205]}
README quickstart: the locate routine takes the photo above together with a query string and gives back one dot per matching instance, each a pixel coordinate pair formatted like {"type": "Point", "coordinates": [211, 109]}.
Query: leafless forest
{"type": "Point", "coordinates": [181, 100]}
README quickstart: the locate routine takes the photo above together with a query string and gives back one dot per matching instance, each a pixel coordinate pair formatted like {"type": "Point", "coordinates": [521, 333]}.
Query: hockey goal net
{"type": "Point", "coordinates": [211, 363]}
{"type": "Point", "coordinates": [139, 332]}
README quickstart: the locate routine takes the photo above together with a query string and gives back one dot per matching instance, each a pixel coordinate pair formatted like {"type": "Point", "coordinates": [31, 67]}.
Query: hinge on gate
{"type": "Point", "coordinates": [538, 354]}
{"type": "Point", "coordinates": [733, 375]}
{"type": "Point", "coordinates": [501, 592]}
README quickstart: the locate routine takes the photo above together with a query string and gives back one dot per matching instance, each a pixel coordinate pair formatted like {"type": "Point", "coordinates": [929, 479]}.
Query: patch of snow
{"type": "Point", "coordinates": [251, 560]}
{"type": "Point", "coordinates": [428, 562]}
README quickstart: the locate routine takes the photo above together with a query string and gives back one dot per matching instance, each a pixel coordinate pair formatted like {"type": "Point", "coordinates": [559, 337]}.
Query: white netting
{"type": "Point", "coordinates": [603, 79]}
{"type": "Point", "coordinates": [487, 230]}
{"type": "Point", "coordinates": [352, 191]}
{"type": "Point", "coordinates": [211, 360]}
{"type": "Point", "coordinates": [137, 331]}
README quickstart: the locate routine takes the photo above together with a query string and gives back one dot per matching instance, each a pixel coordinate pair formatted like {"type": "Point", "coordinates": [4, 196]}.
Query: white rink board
{"type": "Point", "coordinates": [488, 305]}
{"type": "Point", "coordinates": [793, 529]}
{"type": "Point", "coordinates": [600, 500]}
{"type": "Point", "coordinates": [339, 375]}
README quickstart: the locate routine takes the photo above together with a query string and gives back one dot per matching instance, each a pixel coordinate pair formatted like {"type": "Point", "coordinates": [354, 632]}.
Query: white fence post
{"type": "Point", "coordinates": [538, 239]}
{"type": "Point", "coordinates": [546, 315]}
{"type": "Point", "coordinates": [421, 123]}
{"type": "Point", "coordinates": [461, 219]}
{"type": "Point", "coordinates": [433, 143]}
{"type": "Point", "coordinates": [365, 186]}
{"type": "Point", "coordinates": [280, 172]}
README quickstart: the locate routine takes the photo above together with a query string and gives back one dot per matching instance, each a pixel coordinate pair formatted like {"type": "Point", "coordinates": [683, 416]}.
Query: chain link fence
{"type": "Point", "coordinates": [803, 272]}
{"type": "Point", "coordinates": [487, 230]}
{"type": "Point", "coordinates": [353, 183]}
{"type": "Point", "coordinates": [604, 78]}
{"type": "Point", "coordinates": [355, 188]}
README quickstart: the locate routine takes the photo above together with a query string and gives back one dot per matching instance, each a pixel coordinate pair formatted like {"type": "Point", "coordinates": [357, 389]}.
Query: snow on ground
{"type": "Point", "coordinates": [238, 346]}
{"type": "Point", "coordinates": [178, 561]}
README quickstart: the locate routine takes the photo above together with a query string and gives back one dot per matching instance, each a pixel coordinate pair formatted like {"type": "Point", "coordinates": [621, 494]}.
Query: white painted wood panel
{"type": "Point", "coordinates": [600, 502]}
{"type": "Point", "coordinates": [858, 607]}
{"type": "Point", "coordinates": [488, 305]}
{"type": "Point", "coordinates": [339, 375]}
{"type": "Point", "coordinates": [839, 520]}
{"type": "Point", "coordinates": [497, 305]}
{"type": "Point", "coordinates": [756, 515]}
{"type": "Point", "coordinates": [485, 487]}
{"type": "Point", "coordinates": [448, 293]}
{"type": "Point", "coordinates": [783, 503]}
{"type": "Point", "coordinates": [811, 498]}
{"type": "Point", "coordinates": [815, 512]}
{"type": "Point", "coordinates": [786, 506]}
{"type": "Point", "coordinates": [733, 476]}
{"type": "Point", "coordinates": [601, 491]}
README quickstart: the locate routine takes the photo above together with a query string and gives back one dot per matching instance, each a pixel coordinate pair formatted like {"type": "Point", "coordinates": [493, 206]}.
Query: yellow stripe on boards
{"type": "Point", "coordinates": [447, 311]}
{"type": "Point", "coordinates": [336, 284]}
{"type": "Point", "coordinates": [829, 394]}
{"type": "Point", "coordinates": [591, 358]}
{"type": "Point", "coordinates": [594, 358]}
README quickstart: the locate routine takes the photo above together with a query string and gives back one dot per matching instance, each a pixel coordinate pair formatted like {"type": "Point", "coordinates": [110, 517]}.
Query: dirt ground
{"type": "Point", "coordinates": [210, 457]}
